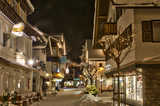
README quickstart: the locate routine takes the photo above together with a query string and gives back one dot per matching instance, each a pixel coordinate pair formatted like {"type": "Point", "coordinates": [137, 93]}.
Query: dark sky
{"type": "Point", "coordinates": [74, 18]}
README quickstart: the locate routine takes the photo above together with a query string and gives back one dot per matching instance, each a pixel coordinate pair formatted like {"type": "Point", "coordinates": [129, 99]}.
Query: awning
{"type": "Point", "coordinates": [132, 66]}
{"type": "Point", "coordinates": [58, 75]}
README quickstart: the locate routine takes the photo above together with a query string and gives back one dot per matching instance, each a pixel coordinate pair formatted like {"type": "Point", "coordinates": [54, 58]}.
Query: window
{"type": "Point", "coordinates": [6, 36]}
{"type": "Point", "coordinates": [151, 31]}
{"type": "Point", "coordinates": [118, 13]}
{"type": "Point", "coordinates": [147, 31]}
{"type": "Point", "coordinates": [156, 30]}
{"type": "Point", "coordinates": [11, 42]}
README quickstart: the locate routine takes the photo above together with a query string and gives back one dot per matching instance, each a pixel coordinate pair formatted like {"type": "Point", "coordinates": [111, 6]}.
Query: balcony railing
{"type": "Point", "coordinates": [16, 6]}
{"type": "Point", "coordinates": [110, 29]}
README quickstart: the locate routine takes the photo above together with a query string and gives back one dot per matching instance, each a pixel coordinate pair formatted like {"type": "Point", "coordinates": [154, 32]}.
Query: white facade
{"type": "Point", "coordinates": [15, 74]}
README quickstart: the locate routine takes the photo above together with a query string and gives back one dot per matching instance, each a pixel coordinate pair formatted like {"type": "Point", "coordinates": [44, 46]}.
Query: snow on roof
{"type": "Point", "coordinates": [30, 5]}
{"type": "Point", "coordinates": [40, 33]}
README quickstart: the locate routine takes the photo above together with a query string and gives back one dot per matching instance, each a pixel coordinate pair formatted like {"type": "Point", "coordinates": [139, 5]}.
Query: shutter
{"type": "Point", "coordinates": [156, 30]}
{"type": "Point", "coordinates": [147, 32]}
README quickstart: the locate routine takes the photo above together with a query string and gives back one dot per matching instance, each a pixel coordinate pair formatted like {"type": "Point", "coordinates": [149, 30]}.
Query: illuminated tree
{"type": "Point", "coordinates": [89, 72]}
{"type": "Point", "coordinates": [116, 45]}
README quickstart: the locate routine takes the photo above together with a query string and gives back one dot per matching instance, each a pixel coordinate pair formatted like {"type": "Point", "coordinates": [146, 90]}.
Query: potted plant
{"type": "Point", "coordinates": [91, 89]}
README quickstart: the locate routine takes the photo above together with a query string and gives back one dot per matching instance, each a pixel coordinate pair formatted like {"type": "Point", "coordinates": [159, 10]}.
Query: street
{"type": "Point", "coordinates": [79, 52]}
{"type": "Point", "coordinates": [64, 98]}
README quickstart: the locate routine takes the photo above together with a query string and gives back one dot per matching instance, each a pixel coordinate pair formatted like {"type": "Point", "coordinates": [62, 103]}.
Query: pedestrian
{"type": "Point", "coordinates": [57, 89]}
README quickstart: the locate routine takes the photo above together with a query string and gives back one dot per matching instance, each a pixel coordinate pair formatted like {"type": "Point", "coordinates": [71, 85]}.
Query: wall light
{"type": "Point", "coordinates": [17, 29]}
{"type": "Point", "coordinates": [30, 62]}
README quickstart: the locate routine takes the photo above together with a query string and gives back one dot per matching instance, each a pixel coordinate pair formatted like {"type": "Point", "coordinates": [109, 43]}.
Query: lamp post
{"type": "Point", "coordinates": [101, 69]}
{"type": "Point", "coordinates": [101, 80]}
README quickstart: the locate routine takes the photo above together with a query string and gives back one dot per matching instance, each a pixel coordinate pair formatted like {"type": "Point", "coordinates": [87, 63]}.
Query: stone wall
{"type": "Point", "coordinates": [151, 85]}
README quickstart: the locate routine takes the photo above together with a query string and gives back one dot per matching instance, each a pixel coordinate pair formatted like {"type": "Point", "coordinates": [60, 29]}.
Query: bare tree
{"type": "Point", "coordinates": [114, 46]}
{"type": "Point", "coordinates": [89, 72]}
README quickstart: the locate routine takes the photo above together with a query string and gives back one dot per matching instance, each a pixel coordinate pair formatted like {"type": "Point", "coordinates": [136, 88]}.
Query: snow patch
{"type": "Point", "coordinates": [88, 97]}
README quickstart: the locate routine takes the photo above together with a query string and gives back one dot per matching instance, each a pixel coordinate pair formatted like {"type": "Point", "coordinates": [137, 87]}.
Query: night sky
{"type": "Point", "coordinates": [74, 18]}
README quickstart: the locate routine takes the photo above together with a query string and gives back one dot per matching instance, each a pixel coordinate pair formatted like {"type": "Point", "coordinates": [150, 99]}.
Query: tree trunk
{"type": "Point", "coordinates": [119, 99]}
{"type": "Point", "coordinates": [91, 81]}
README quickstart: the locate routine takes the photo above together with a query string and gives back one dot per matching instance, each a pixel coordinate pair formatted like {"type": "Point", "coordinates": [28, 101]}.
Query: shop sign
{"type": "Point", "coordinates": [76, 79]}
{"type": "Point", "coordinates": [108, 67]}
{"type": "Point", "coordinates": [63, 59]}
{"type": "Point", "coordinates": [53, 58]}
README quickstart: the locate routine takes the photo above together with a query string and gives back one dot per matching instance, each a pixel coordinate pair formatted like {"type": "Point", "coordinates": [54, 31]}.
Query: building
{"type": "Point", "coordinates": [96, 58]}
{"type": "Point", "coordinates": [56, 57]}
{"type": "Point", "coordinates": [139, 68]}
{"type": "Point", "coordinates": [41, 77]}
{"type": "Point", "coordinates": [15, 51]}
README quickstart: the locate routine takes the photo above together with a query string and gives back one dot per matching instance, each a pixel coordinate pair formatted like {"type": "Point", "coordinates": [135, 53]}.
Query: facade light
{"type": "Point", "coordinates": [17, 29]}
{"type": "Point", "coordinates": [30, 62]}
{"type": "Point", "coordinates": [48, 83]}
{"type": "Point", "coordinates": [67, 70]}
{"type": "Point", "coordinates": [47, 75]}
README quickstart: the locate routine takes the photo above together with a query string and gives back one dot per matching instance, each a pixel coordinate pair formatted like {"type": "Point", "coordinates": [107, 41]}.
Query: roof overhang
{"type": "Point", "coordinates": [27, 5]}
{"type": "Point", "coordinates": [136, 3]}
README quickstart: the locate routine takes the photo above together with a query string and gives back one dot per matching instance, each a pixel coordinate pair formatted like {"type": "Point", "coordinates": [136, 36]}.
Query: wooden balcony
{"type": "Point", "coordinates": [110, 29]}
{"type": "Point", "coordinates": [103, 29]}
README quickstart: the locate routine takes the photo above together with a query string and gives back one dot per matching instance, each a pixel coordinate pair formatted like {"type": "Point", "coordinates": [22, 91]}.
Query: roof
{"type": "Point", "coordinates": [131, 67]}
{"type": "Point", "coordinates": [30, 5]}
{"type": "Point", "coordinates": [136, 3]}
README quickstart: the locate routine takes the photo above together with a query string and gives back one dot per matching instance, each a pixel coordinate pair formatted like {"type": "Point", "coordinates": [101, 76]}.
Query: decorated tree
{"type": "Point", "coordinates": [89, 72]}
{"type": "Point", "coordinates": [116, 45]}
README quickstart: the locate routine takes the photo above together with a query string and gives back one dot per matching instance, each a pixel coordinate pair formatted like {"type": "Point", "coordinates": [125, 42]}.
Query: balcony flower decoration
{"type": "Point", "coordinates": [5, 97]}
{"type": "Point", "coordinates": [9, 97]}
{"type": "Point", "coordinates": [13, 97]}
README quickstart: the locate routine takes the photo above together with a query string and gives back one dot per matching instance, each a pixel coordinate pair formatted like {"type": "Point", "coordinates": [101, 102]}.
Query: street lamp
{"type": "Point", "coordinates": [101, 69]}
{"type": "Point", "coordinates": [101, 80]}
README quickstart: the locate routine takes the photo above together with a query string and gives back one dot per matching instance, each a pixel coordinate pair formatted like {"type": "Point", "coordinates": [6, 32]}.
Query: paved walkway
{"type": "Point", "coordinates": [71, 98]}
{"type": "Point", "coordinates": [64, 98]}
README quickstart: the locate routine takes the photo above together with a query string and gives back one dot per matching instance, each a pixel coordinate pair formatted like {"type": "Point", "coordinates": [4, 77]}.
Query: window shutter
{"type": "Point", "coordinates": [147, 31]}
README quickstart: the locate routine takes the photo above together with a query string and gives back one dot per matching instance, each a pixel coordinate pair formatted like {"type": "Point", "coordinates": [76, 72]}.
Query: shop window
{"type": "Point", "coordinates": [151, 31]}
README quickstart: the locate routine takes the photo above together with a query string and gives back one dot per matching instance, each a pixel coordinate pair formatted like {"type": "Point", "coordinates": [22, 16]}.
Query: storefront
{"type": "Point", "coordinates": [134, 89]}
{"type": "Point", "coordinates": [107, 84]}
{"type": "Point", "coordinates": [14, 77]}
{"type": "Point", "coordinates": [127, 86]}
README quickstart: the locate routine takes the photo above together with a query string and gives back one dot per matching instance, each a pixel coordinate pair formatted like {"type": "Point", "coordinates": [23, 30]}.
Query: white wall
{"type": "Point", "coordinates": [40, 54]}
{"type": "Point", "coordinates": [145, 49]}
{"type": "Point", "coordinates": [5, 26]}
